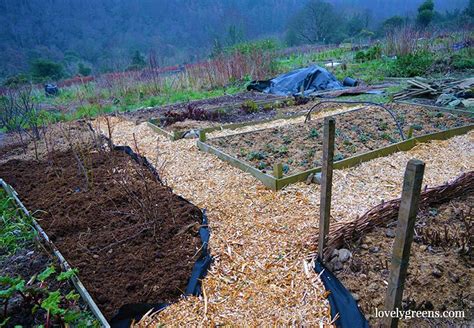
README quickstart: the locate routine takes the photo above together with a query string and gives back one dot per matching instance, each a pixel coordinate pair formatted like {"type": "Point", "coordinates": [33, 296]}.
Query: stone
{"type": "Point", "coordinates": [390, 233]}
{"type": "Point", "coordinates": [423, 248]}
{"type": "Point", "coordinates": [453, 277]}
{"type": "Point", "coordinates": [436, 273]}
{"type": "Point", "coordinates": [344, 255]}
{"type": "Point", "coordinates": [356, 297]}
{"type": "Point", "coordinates": [364, 246]}
{"type": "Point", "coordinates": [454, 103]}
{"type": "Point", "coordinates": [317, 178]}
{"type": "Point", "coordinates": [95, 256]}
{"type": "Point", "coordinates": [374, 249]}
{"type": "Point", "coordinates": [337, 266]}
{"type": "Point", "coordinates": [309, 179]}
{"type": "Point", "coordinates": [191, 134]}
{"type": "Point", "coordinates": [468, 102]}
{"type": "Point", "coordinates": [335, 253]}
{"type": "Point", "coordinates": [445, 99]}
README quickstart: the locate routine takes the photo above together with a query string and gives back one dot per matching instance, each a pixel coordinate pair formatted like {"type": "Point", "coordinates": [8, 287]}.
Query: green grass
{"type": "Point", "coordinates": [16, 229]}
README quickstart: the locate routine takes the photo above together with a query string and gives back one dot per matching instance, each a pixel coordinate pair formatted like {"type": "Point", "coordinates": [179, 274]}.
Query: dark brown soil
{"type": "Point", "coordinates": [440, 269]}
{"type": "Point", "coordinates": [123, 230]}
{"type": "Point", "coordinates": [299, 146]}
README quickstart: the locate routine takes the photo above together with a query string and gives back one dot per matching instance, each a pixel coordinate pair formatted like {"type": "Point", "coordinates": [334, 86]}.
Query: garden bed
{"type": "Point", "coordinates": [439, 270]}
{"type": "Point", "coordinates": [299, 146]}
{"type": "Point", "coordinates": [219, 107]}
{"type": "Point", "coordinates": [130, 237]}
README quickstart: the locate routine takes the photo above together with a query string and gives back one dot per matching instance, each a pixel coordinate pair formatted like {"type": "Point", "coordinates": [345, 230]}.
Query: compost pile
{"type": "Point", "coordinates": [441, 260]}
{"type": "Point", "coordinates": [131, 238]}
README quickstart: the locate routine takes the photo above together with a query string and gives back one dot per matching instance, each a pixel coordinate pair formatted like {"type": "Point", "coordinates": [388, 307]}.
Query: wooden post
{"type": "Point", "coordinates": [202, 135]}
{"type": "Point", "coordinates": [404, 237]}
{"type": "Point", "coordinates": [326, 183]}
{"type": "Point", "coordinates": [278, 170]}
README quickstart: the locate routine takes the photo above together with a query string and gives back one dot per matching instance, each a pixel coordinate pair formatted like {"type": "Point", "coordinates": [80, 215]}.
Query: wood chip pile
{"type": "Point", "coordinates": [263, 241]}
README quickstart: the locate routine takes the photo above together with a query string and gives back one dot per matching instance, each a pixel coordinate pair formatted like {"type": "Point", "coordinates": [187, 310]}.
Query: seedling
{"type": "Point", "coordinates": [313, 134]}
{"type": "Point", "coordinates": [256, 155]}
{"type": "Point", "coordinates": [286, 140]}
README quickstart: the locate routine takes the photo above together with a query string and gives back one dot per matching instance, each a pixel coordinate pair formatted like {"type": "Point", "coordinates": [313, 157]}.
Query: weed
{"type": "Point", "coordinates": [364, 137]}
{"type": "Point", "coordinates": [261, 166]}
{"type": "Point", "coordinates": [387, 136]}
{"type": "Point", "coordinates": [338, 157]}
{"type": "Point", "coordinates": [412, 64]}
{"type": "Point", "coordinates": [310, 153]}
{"type": "Point", "coordinates": [286, 168]}
{"type": "Point", "coordinates": [268, 107]}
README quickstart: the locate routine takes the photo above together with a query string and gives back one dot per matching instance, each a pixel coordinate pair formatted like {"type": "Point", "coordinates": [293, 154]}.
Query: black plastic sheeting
{"type": "Point", "coordinates": [308, 79]}
{"type": "Point", "coordinates": [340, 300]}
{"type": "Point", "coordinates": [134, 312]}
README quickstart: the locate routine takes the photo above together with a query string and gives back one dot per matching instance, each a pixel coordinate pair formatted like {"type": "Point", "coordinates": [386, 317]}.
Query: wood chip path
{"type": "Point", "coordinates": [262, 240]}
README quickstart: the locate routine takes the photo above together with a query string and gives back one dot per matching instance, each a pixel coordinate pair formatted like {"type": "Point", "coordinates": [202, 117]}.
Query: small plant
{"type": "Point", "coordinates": [313, 134]}
{"type": "Point", "coordinates": [387, 136]}
{"type": "Point", "coordinates": [268, 107]}
{"type": "Point", "coordinates": [261, 166]}
{"type": "Point", "coordinates": [310, 153]}
{"type": "Point", "coordinates": [364, 137]}
{"type": "Point", "coordinates": [283, 150]}
{"type": "Point", "coordinates": [256, 155]}
{"type": "Point", "coordinates": [417, 126]}
{"type": "Point", "coordinates": [383, 126]}
{"type": "Point", "coordinates": [249, 106]}
{"type": "Point", "coordinates": [338, 157]}
{"type": "Point", "coordinates": [286, 140]}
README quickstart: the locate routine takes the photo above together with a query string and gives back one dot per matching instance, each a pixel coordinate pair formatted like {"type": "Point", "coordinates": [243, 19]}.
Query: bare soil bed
{"type": "Point", "coordinates": [299, 146]}
{"type": "Point", "coordinates": [440, 269]}
{"type": "Point", "coordinates": [131, 238]}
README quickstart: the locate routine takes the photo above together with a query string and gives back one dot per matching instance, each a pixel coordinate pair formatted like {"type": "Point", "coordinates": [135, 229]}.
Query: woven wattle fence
{"type": "Point", "coordinates": [344, 232]}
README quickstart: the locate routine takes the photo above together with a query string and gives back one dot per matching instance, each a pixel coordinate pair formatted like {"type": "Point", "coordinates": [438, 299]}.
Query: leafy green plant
{"type": "Point", "coordinates": [256, 155]}
{"type": "Point", "coordinates": [15, 228]}
{"type": "Point", "coordinates": [283, 150]}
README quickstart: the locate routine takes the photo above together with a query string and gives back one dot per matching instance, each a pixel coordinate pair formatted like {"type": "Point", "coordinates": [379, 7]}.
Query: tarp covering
{"type": "Point", "coordinates": [340, 300]}
{"type": "Point", "coordinates": [308, 79]}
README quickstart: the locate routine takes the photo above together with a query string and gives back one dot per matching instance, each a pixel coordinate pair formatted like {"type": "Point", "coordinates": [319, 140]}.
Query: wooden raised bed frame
{"type": "Point", "coordinates": [274, 182]}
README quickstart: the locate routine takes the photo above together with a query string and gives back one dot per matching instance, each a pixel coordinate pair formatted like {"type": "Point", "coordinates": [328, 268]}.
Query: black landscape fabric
{"type": "Point", "coordinates": [308, 79]}
{"type": "Point", "coordinates": [340, 300]}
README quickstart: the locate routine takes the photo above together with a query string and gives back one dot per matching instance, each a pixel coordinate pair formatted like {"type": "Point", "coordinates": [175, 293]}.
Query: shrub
{"type": "Point", "coordinates": [43, 69]}
{"type": "Point", "coordinates": [411, 65]}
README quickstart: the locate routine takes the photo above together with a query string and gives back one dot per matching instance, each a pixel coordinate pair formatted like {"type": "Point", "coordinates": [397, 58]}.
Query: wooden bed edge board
{"type": "Point", "coordinates": [75, 280]}
{"type": "Point", "coordinates": [443, 109]}
{"type": "Point", "coordinates": [159, 130]}
{"type": "Point", "coordinates": [381, 152]}
{"type": "Point", "coordinates": [268, 180]}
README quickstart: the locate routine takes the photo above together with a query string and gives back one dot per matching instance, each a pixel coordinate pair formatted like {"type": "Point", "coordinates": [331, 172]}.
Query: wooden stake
{"type": "Point", "coordinates": [278, 170]}
{"type": "Point", "coordinates": [326, 183]}
{"type": "Point", "coordinates": [404, 237]}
